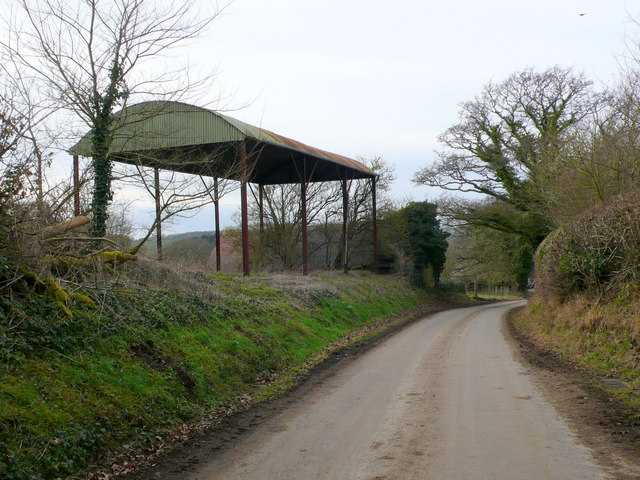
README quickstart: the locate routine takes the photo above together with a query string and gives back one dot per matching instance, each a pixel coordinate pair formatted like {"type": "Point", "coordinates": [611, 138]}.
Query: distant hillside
{"type": "Point", "coordinates": [190, 252]}
{"type": "Point", "coordinates": [168, 239]}
{"type": "Point", "coordinates": [196, 251]}
{"type": "Point", "coordinates": [149, 247]}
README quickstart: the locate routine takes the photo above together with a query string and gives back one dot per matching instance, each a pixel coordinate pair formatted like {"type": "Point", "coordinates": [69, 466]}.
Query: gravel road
{"type": "Point", "coordinates": [444, 398]}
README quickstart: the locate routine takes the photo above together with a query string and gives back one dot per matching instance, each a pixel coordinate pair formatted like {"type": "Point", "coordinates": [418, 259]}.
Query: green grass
{"type": "Point", "coordinates": [147, 361]}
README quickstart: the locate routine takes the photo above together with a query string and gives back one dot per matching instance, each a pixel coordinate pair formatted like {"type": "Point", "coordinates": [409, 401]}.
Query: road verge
{"type": "Point", "coordinates": [117, 385]}
{"type": "Point", "coordinates": [599, 408]}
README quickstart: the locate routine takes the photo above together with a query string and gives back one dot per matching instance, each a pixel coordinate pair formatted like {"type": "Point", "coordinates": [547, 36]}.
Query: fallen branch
{"type": "Point", "coordinates": [64, 227]}
{"type": "Point", "coordinates": [116, 257]}
{"type": "Point", "coordinates": [84, 239]}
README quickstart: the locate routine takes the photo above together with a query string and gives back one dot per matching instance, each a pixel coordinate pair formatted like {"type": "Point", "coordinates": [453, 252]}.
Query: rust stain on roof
{"type": "Point", "coordinates": [289, 142]}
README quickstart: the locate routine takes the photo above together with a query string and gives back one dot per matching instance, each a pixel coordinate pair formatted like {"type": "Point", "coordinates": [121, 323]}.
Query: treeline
{"type": "Point", "coordinates": [410, 239]}
{"type": "Point", "coordinates": [586, 304]}
{"type": "Point", "coordinates": [540, 148]}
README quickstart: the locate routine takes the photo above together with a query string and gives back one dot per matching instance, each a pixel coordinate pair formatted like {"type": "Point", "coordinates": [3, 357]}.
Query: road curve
{"type": "Point", "coordinates": [442, 399]}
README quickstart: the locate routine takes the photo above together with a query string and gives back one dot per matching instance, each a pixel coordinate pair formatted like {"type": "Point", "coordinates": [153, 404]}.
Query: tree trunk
{"type": "Point", "coordinates": [101, 195]}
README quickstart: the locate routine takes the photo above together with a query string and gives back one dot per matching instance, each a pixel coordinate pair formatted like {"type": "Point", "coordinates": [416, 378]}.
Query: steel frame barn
{"type": "Point", "coordinates": [189, 139]}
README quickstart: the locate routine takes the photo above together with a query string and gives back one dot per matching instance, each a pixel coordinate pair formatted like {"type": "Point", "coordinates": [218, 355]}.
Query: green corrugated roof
{"type": "Point", "coordinates": [158, 125]}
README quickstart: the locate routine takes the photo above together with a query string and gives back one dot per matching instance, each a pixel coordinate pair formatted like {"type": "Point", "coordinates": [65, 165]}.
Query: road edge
{"type": "Point", "coordinates": [225, 430]}
{"type": "Point", "coordinates": [602, 423]}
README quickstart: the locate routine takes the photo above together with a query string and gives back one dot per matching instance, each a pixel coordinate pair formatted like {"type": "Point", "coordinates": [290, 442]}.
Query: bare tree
{"type": "Point", "coordinates": [600, 159]}
{"type": "Point", "coordinates": [23, 158]}
{"type": "Point", "coordinates": [176, 195]}
{"type": "Point", "coordinates": [283, 217]}
{"type": "Point", "coordinates": [15, 165]}
{"type": "Point", "coordinates": [360, 212]}
{"type": "Point", "coordinates": [94, 56]}
{"type": "Point", "coordinates": [508, 144]}
{"type": "Point", "coordinates": [483, 256]}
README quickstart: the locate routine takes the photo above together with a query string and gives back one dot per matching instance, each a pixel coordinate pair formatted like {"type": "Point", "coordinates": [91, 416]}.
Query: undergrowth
{"type": "Point", "coordinates": [598, 333]}
{"type": "Point", "coordinates": [597, 251]}
{"type": "Point", "coordinates": [587, 302]}
{"type": "Point", "coordinates": [133, 361]}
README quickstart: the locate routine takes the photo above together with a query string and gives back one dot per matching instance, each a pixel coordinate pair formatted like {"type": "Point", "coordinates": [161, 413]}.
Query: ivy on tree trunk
{"type": "Point", "coordinates": [101, 141]}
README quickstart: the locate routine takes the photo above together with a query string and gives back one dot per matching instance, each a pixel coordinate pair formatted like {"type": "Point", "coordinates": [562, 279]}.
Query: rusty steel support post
{"type": "Point", "coordinates": [216, 207]}
{"type": "Point", "coordinates": [374, 223]}
{"type": "Point", "coordinates": [261, 220]}
{"type": "Point", "coordinates": [305, 240]}
{"type": "Point", "coordinates": [345, 220]}
{"type": "Point", "coordinates": [76, 185]}
{"type": "Point", "coordinates": [156, 179]}
{"type": "Point", "coordinates": [261, 206]}
{"type": "Point", "coordinates": [242, 157]}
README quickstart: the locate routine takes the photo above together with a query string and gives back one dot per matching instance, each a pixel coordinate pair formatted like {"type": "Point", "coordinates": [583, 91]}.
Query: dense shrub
{"type": "Point", "coordinates": [599, 250]}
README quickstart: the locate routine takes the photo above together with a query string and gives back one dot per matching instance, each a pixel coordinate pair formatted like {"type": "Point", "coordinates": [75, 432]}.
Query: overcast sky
{"type": "Point", "coordinates": [364, 78]}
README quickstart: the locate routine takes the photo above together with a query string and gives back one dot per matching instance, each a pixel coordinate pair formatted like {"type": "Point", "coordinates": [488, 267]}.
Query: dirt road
{"type": "Point", "coordinates": [442, 399]}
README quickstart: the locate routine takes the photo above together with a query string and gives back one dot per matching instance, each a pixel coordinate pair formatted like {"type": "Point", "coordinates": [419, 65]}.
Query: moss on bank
{"type": "Point", "coordinates": [141, 361]}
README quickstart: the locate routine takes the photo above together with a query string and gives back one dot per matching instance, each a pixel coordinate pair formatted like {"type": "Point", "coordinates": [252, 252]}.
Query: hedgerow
{"type": "Point", "coordinates": [598, 251]}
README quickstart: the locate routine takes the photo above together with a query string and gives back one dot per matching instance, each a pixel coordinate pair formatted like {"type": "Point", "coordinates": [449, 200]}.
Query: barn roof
{"type": "Point", "coordinates": [190, 139]}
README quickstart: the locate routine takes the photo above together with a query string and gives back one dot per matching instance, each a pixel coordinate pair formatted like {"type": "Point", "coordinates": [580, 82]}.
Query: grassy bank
{"type": "Point", "coordinates": [600, 335]}
{"type": "Point", "coordinates": [587, 303]}
{"type": "Point", "coordinates": [147, 361]}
